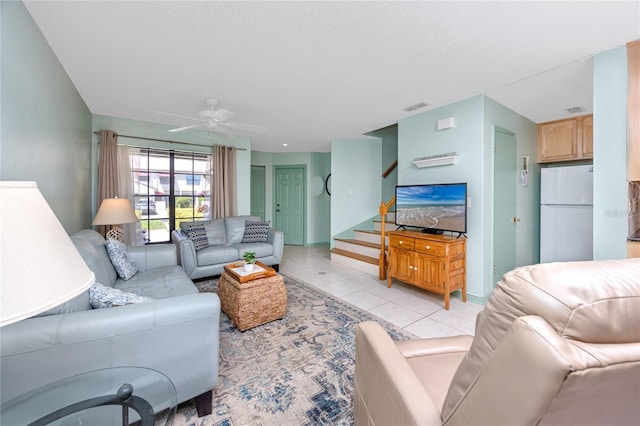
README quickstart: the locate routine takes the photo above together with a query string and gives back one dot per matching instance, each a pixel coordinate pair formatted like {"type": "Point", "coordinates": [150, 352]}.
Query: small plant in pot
{"type": "Point", "coordinates": [249, 260]}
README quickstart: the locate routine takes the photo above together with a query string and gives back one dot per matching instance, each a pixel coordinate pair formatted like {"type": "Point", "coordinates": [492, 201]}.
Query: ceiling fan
{"type": "Point", "coordinates": [216, 119]}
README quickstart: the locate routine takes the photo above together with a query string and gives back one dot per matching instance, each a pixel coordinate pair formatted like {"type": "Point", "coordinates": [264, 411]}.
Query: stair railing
{"type": "Point", "coordinates": [382, 261]}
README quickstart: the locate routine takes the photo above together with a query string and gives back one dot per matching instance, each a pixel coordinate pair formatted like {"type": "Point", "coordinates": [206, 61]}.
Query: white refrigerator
{"type": "Point", "coordinates": [566, 214]}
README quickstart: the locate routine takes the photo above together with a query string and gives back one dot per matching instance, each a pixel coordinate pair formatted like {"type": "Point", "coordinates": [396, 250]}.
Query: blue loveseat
{"type": "Point", "coordinates": [224, 246]}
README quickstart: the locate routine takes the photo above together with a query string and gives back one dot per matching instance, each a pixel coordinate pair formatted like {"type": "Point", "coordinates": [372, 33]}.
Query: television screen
{"type": "Point", "coordinates": [435, 207]}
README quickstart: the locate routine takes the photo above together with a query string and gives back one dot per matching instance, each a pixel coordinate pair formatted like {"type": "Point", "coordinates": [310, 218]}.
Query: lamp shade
{"type": "Point", "coordinates": [40, 267]}
{"type": "Point", "coordinates": [115, 211]}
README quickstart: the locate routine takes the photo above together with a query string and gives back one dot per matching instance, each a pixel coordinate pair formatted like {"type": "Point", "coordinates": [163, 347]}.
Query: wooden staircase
{"type": "Point", "coordinates": [363, 252]}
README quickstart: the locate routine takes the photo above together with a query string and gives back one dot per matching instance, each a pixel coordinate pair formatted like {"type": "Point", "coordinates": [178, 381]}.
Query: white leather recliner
{"type": "Point", "coordinates": [556, 344]}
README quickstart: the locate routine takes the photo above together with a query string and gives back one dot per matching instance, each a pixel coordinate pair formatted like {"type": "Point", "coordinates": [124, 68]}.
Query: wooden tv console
{"type": "Point", "coordinates": [435, 263]}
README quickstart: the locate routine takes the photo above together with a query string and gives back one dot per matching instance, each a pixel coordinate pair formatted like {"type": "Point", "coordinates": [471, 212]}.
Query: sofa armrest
{"type": "Point", "coordinates": [439, 345]}
{"type": "Point", "coordinates": [186, 251]}
{"type": "Point", "coordinates": [276, 239]}
{"type": "Point", "coordinates": [40, 350]}
{"type": "Point", "coordinates": [522, 376]}
{"type": "Point", "coordinates": [386, 390]}
{"type": "Point", "coordinates": [153, 256]}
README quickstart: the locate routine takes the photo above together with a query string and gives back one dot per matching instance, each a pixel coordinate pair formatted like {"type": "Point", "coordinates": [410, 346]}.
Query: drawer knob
{"type": "Point", "coordinates": [428, 247]}
{"type": "Point", "coordinates": [400, 242]}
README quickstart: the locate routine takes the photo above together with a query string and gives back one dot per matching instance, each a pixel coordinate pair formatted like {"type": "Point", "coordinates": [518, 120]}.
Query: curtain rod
{"type": "Point", "coordinates": [165, 140]}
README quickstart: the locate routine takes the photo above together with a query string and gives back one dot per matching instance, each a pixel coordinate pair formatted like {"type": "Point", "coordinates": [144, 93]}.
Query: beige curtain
{"type": "Point", "coordinates": [223, 182]}
{"type": "Point", "coordinates": [132, 231]}
{"type": "Point", "coordinates": [107, 170]}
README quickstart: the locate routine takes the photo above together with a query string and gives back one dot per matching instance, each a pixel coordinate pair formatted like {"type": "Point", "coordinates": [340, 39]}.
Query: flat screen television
{"type": "Point", "coordinates": [433, 208]}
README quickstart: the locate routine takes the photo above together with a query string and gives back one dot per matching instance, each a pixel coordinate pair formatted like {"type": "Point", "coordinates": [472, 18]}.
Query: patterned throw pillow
{"type": "Point", "coordinates": [120, 259]}
{"type": "Point", "coordinates": [197, 234]}
{"type": "Point", "coordinates": [255, 232]}
{"type": "Point", "coordinates": [101, 296]}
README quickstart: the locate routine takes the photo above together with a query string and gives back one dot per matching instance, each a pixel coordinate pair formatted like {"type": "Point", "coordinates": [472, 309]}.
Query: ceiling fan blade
{"type": "Point", "coordinates": [176, 115]}
{"type": "Point", "coordinates": [243, 127]}
{"type": "Point", "coordinates": [182, 129]}
{"type": "Point", "coordinates": [222, 115]}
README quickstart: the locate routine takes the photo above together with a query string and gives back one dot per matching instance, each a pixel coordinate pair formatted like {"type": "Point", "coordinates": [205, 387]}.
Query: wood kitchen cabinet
{"type": "Point", "coordinates": [435, 263]}
{"type": "Point", "coordinates": [566, 140]}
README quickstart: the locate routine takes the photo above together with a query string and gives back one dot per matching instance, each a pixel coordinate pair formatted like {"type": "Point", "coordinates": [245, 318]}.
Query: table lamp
{"type": "Point", "coordinates": [114, 212]}
{"type": "Point", "coordinates": [40, 267]}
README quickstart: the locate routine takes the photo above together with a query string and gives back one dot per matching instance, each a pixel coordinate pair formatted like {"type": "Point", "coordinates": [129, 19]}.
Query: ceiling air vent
{"type": "Point", "coordinates": [415, 107]}
{"type": "Point", "coordinates": [575, 109]}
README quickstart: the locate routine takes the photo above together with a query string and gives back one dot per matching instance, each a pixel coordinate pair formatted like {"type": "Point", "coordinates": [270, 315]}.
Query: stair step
{"type": "Point", "coordinates": [355, 261]}
{"type": "Point", "coordinates": [358, 242]}
{"type": "Point", "coordinates": [357, 256]}
{"type": "Point", "coordinates": [368, 235]}
{"type": "Point", "coordinates": [389, 226]}
{"type": "Point", "coordinates": [365, 248]}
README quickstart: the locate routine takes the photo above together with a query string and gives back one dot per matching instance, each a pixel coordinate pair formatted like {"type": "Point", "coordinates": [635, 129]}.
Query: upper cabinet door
{"type": "Point", "coordinates": [566, 140]}
{"type": "Point", "coordinates": [586, 136]}
{"type": "Point", "coordinates": [558, 141]}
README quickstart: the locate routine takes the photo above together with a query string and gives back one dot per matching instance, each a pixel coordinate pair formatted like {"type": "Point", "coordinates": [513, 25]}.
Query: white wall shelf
{"type": "Point", "coordinates": [447, 159]}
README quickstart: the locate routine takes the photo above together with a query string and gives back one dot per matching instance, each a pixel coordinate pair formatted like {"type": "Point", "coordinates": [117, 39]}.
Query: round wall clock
{"type": "Point", "coordinates": [327, 184]}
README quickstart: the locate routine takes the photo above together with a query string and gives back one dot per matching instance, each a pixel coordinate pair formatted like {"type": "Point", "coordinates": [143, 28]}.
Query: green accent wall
{"type": "Point", "coordinates": [318, 166]}
{"type": "Point", "coordinates": [389, 145]}
{"type": "Point", "coordinates": [610, 198]}
{"type": "Point", "coordinates": [45, 124]}
{"type": "Point", "coordinates": [472, 139]}
{"type": "Point", "coordinates": [355, 182]}
{"type": "Point", "coordinates": [527, 198]}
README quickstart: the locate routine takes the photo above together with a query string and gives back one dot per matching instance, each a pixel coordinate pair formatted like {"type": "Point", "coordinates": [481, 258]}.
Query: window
{"type": "Point", "coordinates": [169, 187]}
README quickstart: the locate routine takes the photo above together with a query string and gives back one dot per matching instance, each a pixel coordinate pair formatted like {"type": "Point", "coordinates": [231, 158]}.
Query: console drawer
{"type": "Point", "coordinates": [399, 242]}
{"type": "Point", "coordinates": [430, 247]}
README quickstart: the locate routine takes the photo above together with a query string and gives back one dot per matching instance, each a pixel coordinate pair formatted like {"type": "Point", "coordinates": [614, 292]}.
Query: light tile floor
{"type": "Point", "coordinates": [417, 311]}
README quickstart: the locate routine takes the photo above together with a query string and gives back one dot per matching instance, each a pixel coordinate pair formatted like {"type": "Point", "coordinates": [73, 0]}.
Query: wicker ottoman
{"type": "Point", "coordinates": [252, 303]}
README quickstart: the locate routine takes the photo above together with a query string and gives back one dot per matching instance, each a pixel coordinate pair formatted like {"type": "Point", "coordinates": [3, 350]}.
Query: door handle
{"type": "Point", "coordinates": [277, 210]}
{"type": "Point", "coordinates": [514, 220]}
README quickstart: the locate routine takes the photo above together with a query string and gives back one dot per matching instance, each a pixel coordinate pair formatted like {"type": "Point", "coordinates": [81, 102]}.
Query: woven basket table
{"type": "Point", "coordinates": [254, 302]}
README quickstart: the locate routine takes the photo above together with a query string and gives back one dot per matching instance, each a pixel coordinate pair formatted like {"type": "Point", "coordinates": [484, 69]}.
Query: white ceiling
{"type": "Point", "coordinates": [312, 72]}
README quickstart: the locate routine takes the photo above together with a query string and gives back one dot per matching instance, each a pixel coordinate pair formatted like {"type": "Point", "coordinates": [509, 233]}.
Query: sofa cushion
{"type": "Point", "coordinates": [184, 226]}
{"type": "Point", "coordinates": [120, 259]}
{"type": "Point", "coordinates": [159, 283]}
{"type": "Point", "coordinates": [235, 227]}
{"type": "Point", "coordinates": [216, 232]}
{"type": "Point", "coordinates": [260, 249]}
{"type": "Point", "coordinates": [95, 256]}
{"type": "Point", "coordinates": [255, 231]}
{"type": "Point", "coordinates": [101, 296]}
{"type": "Point", "coordinates": [215, 255]}
{"type": "Point", "coordinates": [197, 234]}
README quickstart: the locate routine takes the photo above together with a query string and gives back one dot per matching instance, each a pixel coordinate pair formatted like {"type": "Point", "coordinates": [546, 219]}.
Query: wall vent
{"type": "Point", "coordinates": [415, 107]}
{"type": "Point", "coordinates": [575, 109]}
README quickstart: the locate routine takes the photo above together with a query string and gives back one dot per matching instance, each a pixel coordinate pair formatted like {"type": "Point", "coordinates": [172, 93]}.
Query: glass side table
{"type": "Point", "coordinates": [113, 396]}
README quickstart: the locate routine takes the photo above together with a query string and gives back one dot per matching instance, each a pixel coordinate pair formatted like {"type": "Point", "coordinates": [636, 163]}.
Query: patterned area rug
{"type": "Point", "coordinates": [294, 371]}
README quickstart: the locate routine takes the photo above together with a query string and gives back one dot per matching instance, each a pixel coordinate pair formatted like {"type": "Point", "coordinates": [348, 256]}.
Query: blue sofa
{"type": "Point", "coordinates": [225, 246]}
{"type": "Point", "coordinates": [177, 333]}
